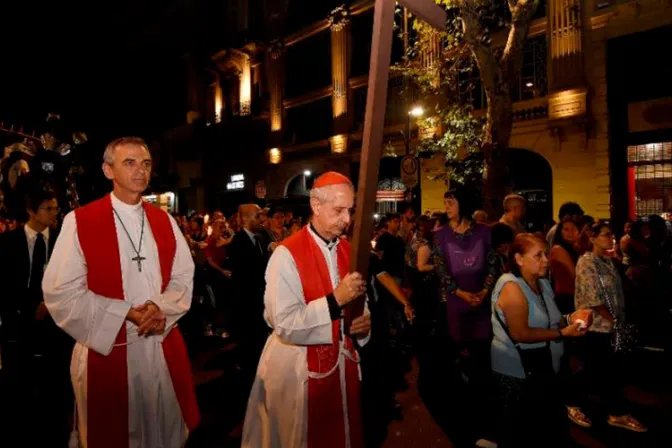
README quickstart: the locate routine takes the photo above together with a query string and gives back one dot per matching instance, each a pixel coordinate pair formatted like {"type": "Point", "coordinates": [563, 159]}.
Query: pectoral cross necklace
{"type": "Point", "coordinates": [138, 258]}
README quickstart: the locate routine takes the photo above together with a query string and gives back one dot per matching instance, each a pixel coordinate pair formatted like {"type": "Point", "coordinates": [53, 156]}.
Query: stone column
{"type": "Point", "coordinates": [245, 87]}
{"type": "Point", "coordinates": [275, 74]}
{"type": "Point", "coordinates": [567, 97]}
{"type": "Point", "coordinates": [339, 20]}
{"type": "Point", "coordinates": [565, 28]}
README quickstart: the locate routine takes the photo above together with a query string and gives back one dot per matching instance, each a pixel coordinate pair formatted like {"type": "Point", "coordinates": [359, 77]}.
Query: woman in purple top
{"type": "Point", "coordinates": [467, 268]}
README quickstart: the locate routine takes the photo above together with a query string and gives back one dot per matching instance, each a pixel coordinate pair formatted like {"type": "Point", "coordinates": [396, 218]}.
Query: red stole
{"type": "Point", "coordinates": [107, 377]}
{"type": "Point", "coordinates": [326, 425]}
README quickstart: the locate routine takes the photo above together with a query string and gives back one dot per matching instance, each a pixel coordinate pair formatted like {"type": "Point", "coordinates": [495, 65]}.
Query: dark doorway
{"type": "Point", "coordinates": [532, 178]}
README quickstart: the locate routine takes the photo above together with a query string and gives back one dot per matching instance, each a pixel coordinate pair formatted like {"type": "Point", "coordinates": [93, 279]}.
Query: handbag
{"type": "Point", "coordinates": [537, 362]}
{"type": "Point", "coordinates": [623, 335]}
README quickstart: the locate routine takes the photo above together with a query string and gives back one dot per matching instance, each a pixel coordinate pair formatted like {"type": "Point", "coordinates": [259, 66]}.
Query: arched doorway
{"type": "Point", "coordinates": [532, 177]}
{"type": "Point", "coordinates": [300, 185]}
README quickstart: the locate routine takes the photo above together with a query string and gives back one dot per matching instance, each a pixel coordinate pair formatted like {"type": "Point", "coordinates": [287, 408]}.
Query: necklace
{"type": "Point", "coordinates": [138, 258]}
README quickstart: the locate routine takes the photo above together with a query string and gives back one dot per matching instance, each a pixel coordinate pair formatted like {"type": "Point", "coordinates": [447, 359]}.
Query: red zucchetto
{"type": "Point", "coordinates": [331, 178]}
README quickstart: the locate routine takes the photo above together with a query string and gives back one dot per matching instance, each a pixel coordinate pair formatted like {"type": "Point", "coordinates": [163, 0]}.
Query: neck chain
{"type": "Point", "coordinates": [138, 258]}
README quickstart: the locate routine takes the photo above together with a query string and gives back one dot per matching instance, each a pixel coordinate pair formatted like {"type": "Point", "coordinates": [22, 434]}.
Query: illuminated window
{"type": "Point", "coordinates": [650, 178]}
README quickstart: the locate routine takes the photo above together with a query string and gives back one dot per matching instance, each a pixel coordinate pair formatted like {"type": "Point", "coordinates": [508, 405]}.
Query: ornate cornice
{"type": "Point", "coordinates": [339, 18]}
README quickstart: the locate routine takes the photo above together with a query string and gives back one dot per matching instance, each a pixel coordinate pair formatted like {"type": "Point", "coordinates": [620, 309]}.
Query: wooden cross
{"type": "Point", "coordinates": [374, 121]}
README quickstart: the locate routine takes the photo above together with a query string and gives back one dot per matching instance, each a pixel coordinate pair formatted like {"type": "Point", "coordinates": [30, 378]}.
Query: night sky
{"type": "Point", "coordinates": [108, 67]}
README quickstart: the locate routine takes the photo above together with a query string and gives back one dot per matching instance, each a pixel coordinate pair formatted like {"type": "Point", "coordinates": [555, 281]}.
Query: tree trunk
{"type": "Point", "coordinates": [498, 126]}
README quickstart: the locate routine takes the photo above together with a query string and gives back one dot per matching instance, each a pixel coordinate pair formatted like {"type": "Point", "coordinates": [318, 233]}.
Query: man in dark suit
{"type": "Point", "coordinates": [248, 257]}
{"type": "Point", "coordinates": [35, 354]}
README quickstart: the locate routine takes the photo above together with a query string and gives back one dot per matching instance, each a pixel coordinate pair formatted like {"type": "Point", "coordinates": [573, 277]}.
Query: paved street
{"type": "Point", "coordinates": [223, 398]}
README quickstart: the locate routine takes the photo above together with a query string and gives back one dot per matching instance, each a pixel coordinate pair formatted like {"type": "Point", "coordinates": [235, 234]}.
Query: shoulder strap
{"type": "Point", "coordinates": [506, 328]}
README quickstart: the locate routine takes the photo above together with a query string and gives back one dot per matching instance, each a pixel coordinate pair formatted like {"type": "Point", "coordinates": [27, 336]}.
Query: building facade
{"type": "Point", "coordinates": [590, 125]}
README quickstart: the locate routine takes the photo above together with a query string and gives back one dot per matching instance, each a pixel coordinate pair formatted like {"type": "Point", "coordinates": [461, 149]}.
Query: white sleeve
{"type": "Point", "coordinates": [294, 321]}
{"type": "Point", "coordinates": [91, 319]}
{"type": "Point", "coordinates": [176, 299]}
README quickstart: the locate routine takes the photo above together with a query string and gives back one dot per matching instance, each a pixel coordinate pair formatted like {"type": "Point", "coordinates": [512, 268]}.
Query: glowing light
{"type": "Point", "coordinates": [218, 103]}
{"type": "Point", "coordinates": [339, 143]}
{"type": "Point", "coordinates": [529, 84]}
{"type": "Point", "coordinates": [376, 216]}
{"type": "Point", "coordinates": [275, 155]}
{"type": "Point", "coordinates": [417, 111]}
{"type": "Point", "coordinates": [307, 173]}
{"type": "Point", "coordinates": [246, 88]}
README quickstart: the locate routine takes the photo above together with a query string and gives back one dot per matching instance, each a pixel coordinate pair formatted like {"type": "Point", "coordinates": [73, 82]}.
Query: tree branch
{"type": "Point", "coordinates": [521, 16]}
{"type": "Point", "coordinates": [474, 37]}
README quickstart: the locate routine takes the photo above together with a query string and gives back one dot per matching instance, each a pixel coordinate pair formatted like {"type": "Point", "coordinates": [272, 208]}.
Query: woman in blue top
{"type": "Point", "coordinates": [527, 347]}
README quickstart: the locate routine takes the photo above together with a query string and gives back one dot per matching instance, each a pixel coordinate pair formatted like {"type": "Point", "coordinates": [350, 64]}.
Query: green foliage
{"type": "Point", "coordinates": [446, 84]}
{"type": "Point", "coordinates": [449, 79]}
{"type": "Point", "coordinates": [460, 142]}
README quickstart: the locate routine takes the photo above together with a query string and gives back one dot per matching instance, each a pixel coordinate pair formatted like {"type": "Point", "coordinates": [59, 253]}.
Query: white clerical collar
{"type": "Point", "coordinates": [120, 205]}
{"type": "Point", "coordinates": [321, 241]}
{"type": "Point", "coordinates": [31, 233]}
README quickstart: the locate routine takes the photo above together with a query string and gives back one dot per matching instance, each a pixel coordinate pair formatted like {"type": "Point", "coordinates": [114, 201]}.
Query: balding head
{"type": "Point", "coordinates": [250, 216]}
{"type": "Point", "coordinates": [331, 206]}
{"type": "Point", "coordinates": [514, 205]}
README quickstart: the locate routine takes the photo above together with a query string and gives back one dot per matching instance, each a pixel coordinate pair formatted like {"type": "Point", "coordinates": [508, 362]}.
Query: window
{"type": "Point", "coordinates": [390, 193]}
{"type": "Point", "coordinates": [533, 78]}
{"type": "Point", "coordinates": [650, 178]}
{"type": "Point", "coordinates": [533, 81]}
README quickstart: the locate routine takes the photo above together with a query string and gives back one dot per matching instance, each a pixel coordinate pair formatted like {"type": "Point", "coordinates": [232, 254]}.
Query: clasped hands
{"type": "Point", "coordinates": [149, 319]}
{"type": "Point", "coordinates": [351, 287]}
{"type": "Point", "coordinates": [472, 298]}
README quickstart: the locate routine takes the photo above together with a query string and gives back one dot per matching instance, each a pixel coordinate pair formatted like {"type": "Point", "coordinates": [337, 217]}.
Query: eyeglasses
{"type": "Point", "coordinates": [51, 209]}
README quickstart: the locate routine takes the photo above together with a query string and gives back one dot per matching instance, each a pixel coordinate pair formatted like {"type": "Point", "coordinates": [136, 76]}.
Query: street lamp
{"type": "Point", "coordinates": [415, 112]}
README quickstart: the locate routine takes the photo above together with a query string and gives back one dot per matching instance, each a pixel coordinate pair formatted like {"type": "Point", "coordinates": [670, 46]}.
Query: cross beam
{"type": "Point", "coordinates": [374, 122]}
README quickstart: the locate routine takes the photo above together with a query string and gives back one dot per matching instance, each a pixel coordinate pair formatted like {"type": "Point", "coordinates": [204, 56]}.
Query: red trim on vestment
{"type": "Point", "coordinates": [326, 425]}
{"type": "Point", "coordinates": [107, 376]}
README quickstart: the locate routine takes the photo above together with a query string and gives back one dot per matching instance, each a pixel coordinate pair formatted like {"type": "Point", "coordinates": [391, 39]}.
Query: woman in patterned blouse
{"type": "Point", "coordinates": [599, 287]}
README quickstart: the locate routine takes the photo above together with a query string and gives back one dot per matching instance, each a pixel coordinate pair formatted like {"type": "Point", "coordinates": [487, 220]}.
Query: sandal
{"type": "Point", "coordinates": [577, 416]}
{"type": "Point", "coordinates": [627, 422]}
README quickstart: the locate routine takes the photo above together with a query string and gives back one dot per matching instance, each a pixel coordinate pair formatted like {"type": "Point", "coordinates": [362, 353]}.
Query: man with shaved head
{"type": "Point", "coordinates": [306, 393]}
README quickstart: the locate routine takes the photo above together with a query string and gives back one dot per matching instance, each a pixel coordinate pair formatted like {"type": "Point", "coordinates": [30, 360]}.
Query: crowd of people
{"type": "Point", "coordinates": [511, 330]}
{"type": "Point", "coordinates": [529, 324]}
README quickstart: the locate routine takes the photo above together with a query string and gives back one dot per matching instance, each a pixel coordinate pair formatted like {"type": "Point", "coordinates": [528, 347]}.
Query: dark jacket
{"type": "Point", "coordinates": [248, 269]}
{"type": "Point", "coordinates": [18, 304]}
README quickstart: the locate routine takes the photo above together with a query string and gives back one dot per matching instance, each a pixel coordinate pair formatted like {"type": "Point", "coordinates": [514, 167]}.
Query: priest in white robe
{"type": "Point", "coordinates": [306, 392]}
{"type": "Point", "coordinates": [120, 277]}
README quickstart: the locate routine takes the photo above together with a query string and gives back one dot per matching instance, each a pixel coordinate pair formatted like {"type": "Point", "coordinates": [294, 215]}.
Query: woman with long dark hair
{"type": "Point", "coordinates": [430, 316]}
{"type": "Point", "coordinates": [563, 259]}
